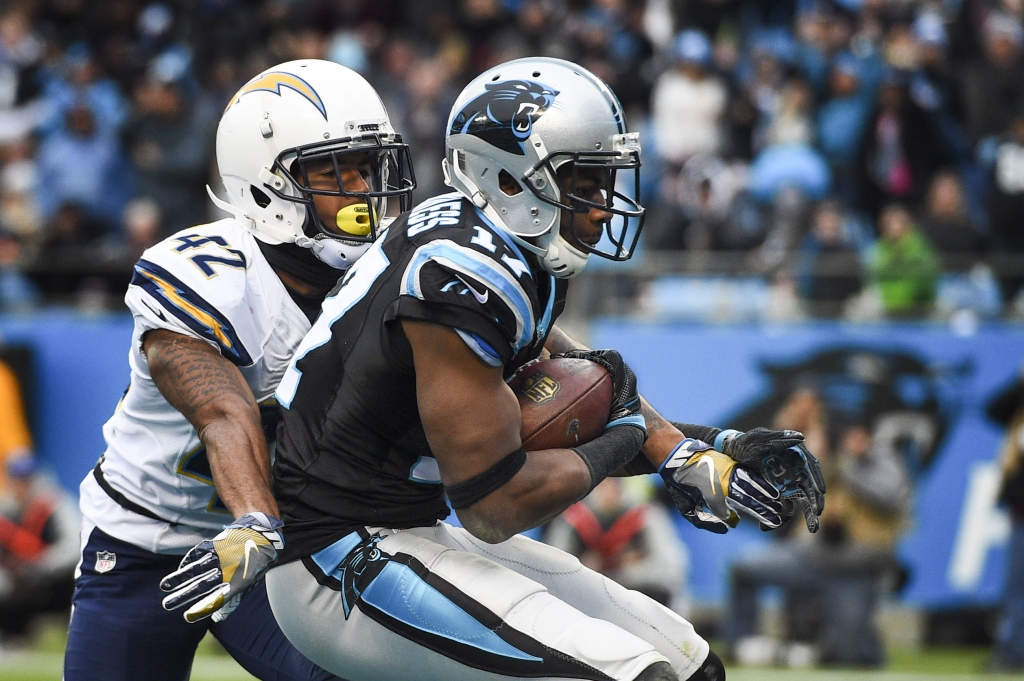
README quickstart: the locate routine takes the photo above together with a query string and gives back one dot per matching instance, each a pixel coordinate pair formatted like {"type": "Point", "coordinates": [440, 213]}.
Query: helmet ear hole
{"type": "Point", "coordinates": [259, 196]}
{"type": "Point", "coordinates": [508, 184]}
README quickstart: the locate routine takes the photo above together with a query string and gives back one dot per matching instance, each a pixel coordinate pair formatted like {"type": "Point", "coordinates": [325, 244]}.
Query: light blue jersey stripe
{"type": "Point", "coordinates": [483, 269]}
{"type": "Point", "coordinates": [504, 237]}
{"type": "Point", "coordinates": [481, 348]}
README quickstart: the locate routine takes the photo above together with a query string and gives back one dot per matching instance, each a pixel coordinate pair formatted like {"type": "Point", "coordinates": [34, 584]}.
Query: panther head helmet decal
{"type": "Point", "coordinates": [505, 113]}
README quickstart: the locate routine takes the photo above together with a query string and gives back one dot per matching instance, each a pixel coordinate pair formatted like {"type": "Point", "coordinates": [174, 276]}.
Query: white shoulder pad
{"type": "Point", "coordinates": [203, 282]}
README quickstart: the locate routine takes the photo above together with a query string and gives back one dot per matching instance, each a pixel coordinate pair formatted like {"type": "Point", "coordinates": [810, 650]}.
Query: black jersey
{"type": "Point", "coordinates": [351, 451]}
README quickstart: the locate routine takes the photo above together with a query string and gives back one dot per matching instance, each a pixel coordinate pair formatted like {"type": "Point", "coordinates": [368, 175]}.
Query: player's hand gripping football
{"type": "Point", "coordinates": [709, 488]}
{"type": "Point", "coordinates": [216, 573]}
{"type": "Point", "coordinates": [625, 399]}
{"type": "Point", "coordinates": [788, 466]}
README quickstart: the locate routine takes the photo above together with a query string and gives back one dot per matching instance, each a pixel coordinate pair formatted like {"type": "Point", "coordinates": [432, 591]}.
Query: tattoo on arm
{"type": "Point", "coordinates": [655, 421]}
{"type": "Point", "coordinates": [211, 393]}
{"type": "Point", "coordinates": [558, 341]}
{"type": "Point", "coordinates": [193, 376]}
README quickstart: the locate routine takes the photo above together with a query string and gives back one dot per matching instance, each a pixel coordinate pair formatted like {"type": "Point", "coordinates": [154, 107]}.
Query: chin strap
{"type": "Point", "coordinates": [561, 260]}
{"type": "Point", "coordinates": [332, 252]}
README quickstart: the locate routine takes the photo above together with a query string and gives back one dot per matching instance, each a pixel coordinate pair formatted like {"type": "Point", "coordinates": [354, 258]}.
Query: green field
{"type": "Point", "coordinates": [933, 665]}
{"type": "Point", "coordinates": [44, 662]}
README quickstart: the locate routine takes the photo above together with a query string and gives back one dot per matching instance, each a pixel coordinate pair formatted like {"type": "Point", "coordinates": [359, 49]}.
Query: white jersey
{"type": "Point", "coordinates": [213, 283]}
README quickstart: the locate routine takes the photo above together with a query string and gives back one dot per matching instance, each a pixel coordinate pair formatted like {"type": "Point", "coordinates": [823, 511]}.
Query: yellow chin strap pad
{"type": "Point", "coordinates": [354, 219]}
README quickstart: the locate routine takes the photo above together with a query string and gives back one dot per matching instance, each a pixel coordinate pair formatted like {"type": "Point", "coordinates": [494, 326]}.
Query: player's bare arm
{"type": "Point", "coordinates": [210, 392]}
{"type": "Point", "coordinates": [471, 420]}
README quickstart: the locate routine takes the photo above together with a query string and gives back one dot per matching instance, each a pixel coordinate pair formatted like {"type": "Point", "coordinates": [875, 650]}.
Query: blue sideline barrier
{"type": "Point", "coordinates": [914, 381]}
{"type": "Point", "coordinates": [81, 366]}
{"type": "Point", "coordinates": [906, 376]}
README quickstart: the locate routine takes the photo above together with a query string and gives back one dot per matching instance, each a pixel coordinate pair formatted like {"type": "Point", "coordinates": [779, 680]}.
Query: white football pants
{"type": "Point", "coordinates": [438, 604]}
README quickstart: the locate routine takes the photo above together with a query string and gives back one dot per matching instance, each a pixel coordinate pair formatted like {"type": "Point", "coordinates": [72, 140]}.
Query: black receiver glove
{"type": "Point", "coordinates": [756, 443]}
{"type": "Point", "coordinates": [625, 399]}
{"type": "Point", "coordinates": [781, 458]}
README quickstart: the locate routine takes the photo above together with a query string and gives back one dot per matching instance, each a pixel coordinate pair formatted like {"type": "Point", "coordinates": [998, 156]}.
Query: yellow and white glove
{"type": "Point", "coordinates": [216, 573]}
{"type": "Point", "coordinates": [709, 488]}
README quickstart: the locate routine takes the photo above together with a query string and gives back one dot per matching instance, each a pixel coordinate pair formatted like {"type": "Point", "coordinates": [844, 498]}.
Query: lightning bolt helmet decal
{"type": "Point", "coordinates": [274, 81]}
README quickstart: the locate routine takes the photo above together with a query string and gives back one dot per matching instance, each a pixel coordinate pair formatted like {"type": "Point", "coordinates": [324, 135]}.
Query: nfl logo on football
{"type": "Point", "coordinates": [105, 561]}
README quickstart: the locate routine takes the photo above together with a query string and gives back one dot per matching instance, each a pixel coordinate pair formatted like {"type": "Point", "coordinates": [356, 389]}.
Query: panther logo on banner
{"type": "Point", "coordinates": [105, 561]}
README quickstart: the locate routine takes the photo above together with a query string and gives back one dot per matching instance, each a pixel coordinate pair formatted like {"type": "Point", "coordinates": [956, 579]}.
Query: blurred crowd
{"type": "Point", "coordinates": [862, 158]}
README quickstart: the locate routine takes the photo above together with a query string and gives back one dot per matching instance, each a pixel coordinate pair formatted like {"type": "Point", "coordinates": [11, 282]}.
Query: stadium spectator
{"type": "Point", "coordinates": [15, 438]}
{"type": "Point", "coordinates": [829, 269]}
{"type": "Point", "coordinates": [688, 102]}
{"type": "Point", "coordinates": [170, 140]}
{"type": "Point", "coordinates": [69, 251]}
{"type": "Point", "coordinates": [17, 293]}
{"type": "Point", "coordinates": [934, 86]}
{"type": "Point", "coordinates": [967, 283]}
{"type": "Point", "coordinates": [142, 228]}
{"type": "Point", "coordinates": [1006, 196]}
{"type": "Point", "coordinates": [104, 190]}
{"type": "Point", "coordinates": [993, 87]}
{"type": "Point", "coordinates": [21, 55]}
{"type": "Point", "coordinates": [838, 573]}
{"type": "Point", "coordinates": [842, 119]}
{"type": "Point", "coordinates": [900, 150]}
{"type": "Point", "coordinates": [1007, 410]}
{"type": "Point", "coordinates": [39, 547]}
{"type": "Point", "coordinates": [791, 122]}
{"type": "Point", "coordinates": [626, 539]}
{"type": "Point", "coordinates": [903, 267]}
{"type": "Point", "coordinates": [77, 83]}
{"type": "Point", "coordinates": [699, 213]}
{"type": "Point", "coordinates": [946, 223]}
{"type": "Point", "coordinates": [19, 212]}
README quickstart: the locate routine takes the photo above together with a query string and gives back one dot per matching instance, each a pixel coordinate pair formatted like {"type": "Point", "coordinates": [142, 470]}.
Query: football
{"type": "Point", "coordinates": [564, 402]}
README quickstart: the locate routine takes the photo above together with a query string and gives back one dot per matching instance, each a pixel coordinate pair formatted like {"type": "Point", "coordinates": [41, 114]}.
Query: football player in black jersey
{"type": "Point", "coordinates": [397, 398]}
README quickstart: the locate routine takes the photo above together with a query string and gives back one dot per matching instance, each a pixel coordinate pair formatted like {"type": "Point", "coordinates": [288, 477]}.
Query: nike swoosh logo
{"type": "Point", "coordinates": [158, 313]}
{"type": "Point", "coordinates": [250, 546]}
{"type": "Point", "coordinates": [480, 297]}
{"type": "Point", "coordinates": [711, 469]}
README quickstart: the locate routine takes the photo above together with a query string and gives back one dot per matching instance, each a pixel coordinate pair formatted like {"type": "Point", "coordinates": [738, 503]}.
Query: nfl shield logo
{"type": "Point", "coordinates": [105, 561]}
{"type": "Point", "coordinates": [540, 387]}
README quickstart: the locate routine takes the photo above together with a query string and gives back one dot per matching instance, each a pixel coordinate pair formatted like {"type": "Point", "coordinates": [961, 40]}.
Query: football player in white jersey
{"type": "Point", "coordinates": [309, 161]}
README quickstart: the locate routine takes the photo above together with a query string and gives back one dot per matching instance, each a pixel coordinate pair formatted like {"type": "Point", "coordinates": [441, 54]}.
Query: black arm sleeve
{"type": "Point", "coordinates": [639, 465]}
{"type": "Point", "coordinates": [610, 452]}
{"type": "Point", "coordinates": [704, 433]}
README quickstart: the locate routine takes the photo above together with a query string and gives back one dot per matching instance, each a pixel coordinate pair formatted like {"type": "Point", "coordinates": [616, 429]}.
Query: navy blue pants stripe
{"type": "Point", "coordinates": [120, 632]}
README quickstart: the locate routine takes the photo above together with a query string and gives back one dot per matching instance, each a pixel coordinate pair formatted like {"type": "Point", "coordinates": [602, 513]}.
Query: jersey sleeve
{"type": "Point", "coordinates": [195, 284]}
{"type": "Point", "coordinates": [479, 296]}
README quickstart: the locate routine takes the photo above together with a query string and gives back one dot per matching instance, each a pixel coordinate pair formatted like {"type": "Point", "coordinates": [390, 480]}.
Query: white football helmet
{"type": "Point", "coordinates": [527, 118]}
{"type": "Point", "coordinates": [289, 115]}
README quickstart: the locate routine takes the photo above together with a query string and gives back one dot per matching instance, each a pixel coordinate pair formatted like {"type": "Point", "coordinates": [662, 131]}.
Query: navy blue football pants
{"type": "Point", "coordinates": [120, 632]}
